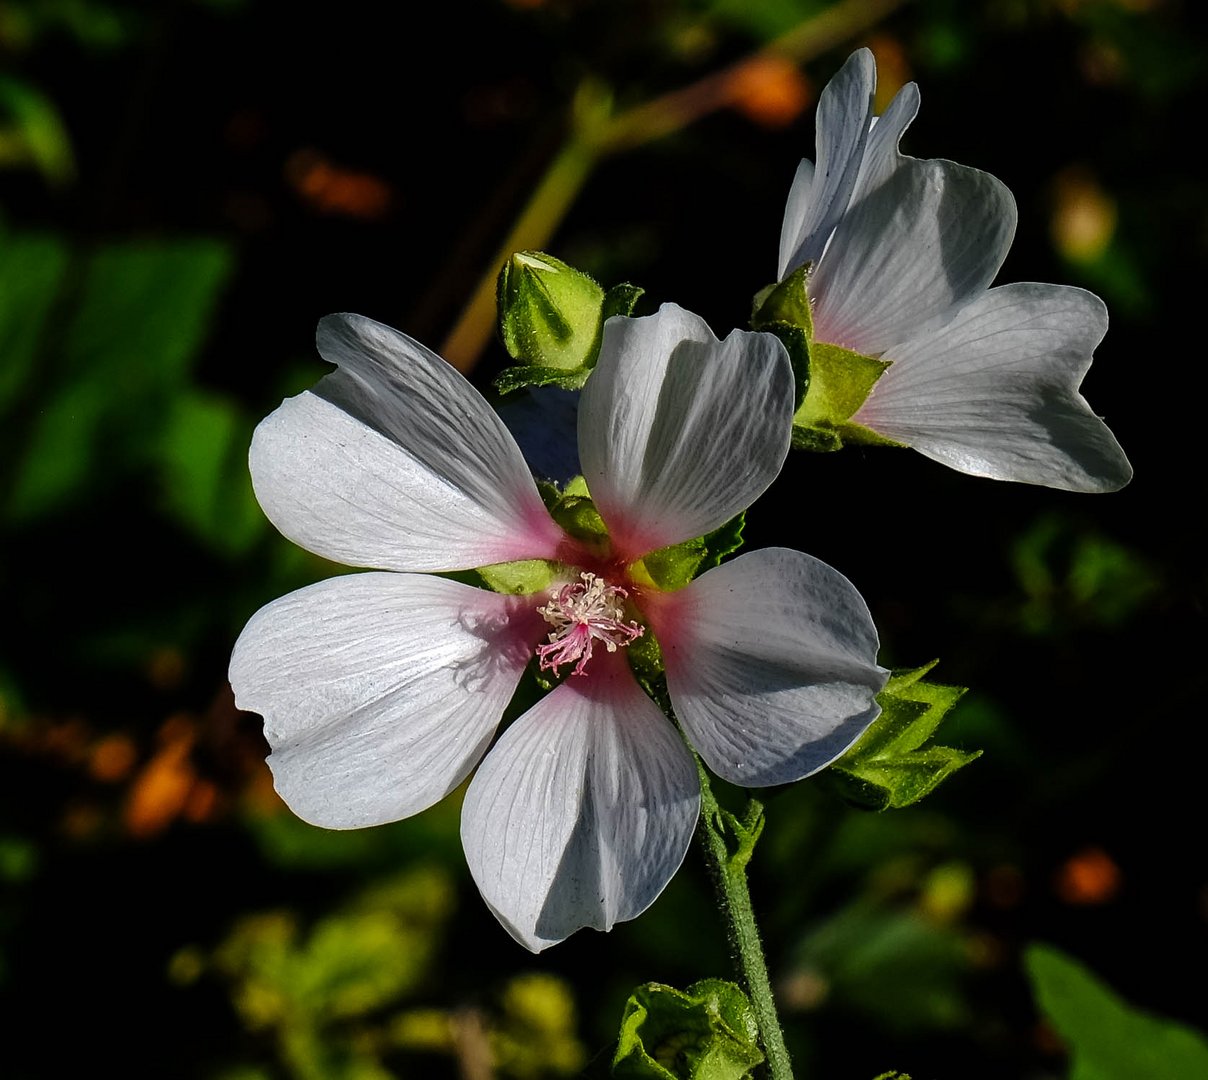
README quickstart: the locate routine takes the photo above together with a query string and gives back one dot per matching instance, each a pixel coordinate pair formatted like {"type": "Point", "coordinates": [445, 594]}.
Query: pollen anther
{"type": "Point", "coordinates": [582, 613]}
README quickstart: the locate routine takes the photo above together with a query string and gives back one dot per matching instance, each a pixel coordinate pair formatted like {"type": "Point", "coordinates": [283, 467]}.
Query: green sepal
{"type": "Point", "coordinates": [785, 302]}
{"type": "Point", "coordinates": [520, 578]}
{"type": "Point", "coordinates": [671, 568]}
{"type": "Point", "coordinates": [741, 834]}
{"type": "Point", "coordinates": [522, 375]}
{"type": "Point", "coordinates": [893, 1074]}
{"type": "Point", "coordinates": [708, 1032]}
{"type": "Point", "coordinates": [621, 300]}
{"type": "Point", "coordinates": [889, 767]}
{"type": "Point", "coordinates": [839, 383]}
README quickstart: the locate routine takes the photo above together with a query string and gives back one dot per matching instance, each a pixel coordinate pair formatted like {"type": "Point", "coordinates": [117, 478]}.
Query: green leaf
{"type": "Point", "coordinates": [708, 1032]}
{"type": "Point", "coordinates": [890, 767]}
{"type": "Point", "coordinates": [127, 343]}
{"type": "Point", "coordinates": [1107, 1037]}
{"type": "Point", "coordinates": [621, 300]}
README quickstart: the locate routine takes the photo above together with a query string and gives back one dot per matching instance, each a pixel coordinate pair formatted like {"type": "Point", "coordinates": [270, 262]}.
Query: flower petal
{"type": "Point", "coordinates": [918, 238]}
{"type": "Point", "coordinates": [995, 391]}
{"type": "Point", "coordinates": [678, 432]}
{"type": "Point", "coordinates": [819, 197]}
{"type": "Point", "coordinates": [771, 665]}
{"type": "Point", "coordinates": [583, 811]}
{"type": "Point", "coordinates": [395, 461]}
{"type": "Point", "coordinates": [379, 691]}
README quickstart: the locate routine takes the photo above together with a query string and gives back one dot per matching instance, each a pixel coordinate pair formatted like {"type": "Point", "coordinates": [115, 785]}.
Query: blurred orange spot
{"type": "Point", "coordinates": [332, 189]}
{"type": "Point", "coordinates": [201, 802]}
{"type": "Point", "coordinates": [1088, 877]}
{"type": "Point", "coordinates": [161, 790]}
{"type": "Point", "coordinates": [113, 758]}
{"type": "Point", "coordinates": [803, 990]}
{"type": "Point", "coordinates": [893, 69]}
{"type": "Point", "coordinates": [770, 90]}
{"type": "Point", "coordinates": [1084, 216]}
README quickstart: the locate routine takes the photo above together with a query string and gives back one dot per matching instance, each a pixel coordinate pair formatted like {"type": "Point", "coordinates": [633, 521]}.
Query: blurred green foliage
{"type": "Point", "coordinates": [1107, 1038]}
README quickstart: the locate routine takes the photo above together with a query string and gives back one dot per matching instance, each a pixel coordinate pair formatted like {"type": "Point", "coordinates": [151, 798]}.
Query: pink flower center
{"type": "Point", "coordinates": [582, 613]}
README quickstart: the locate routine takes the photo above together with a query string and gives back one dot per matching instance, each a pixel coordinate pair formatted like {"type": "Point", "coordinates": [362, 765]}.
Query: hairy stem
{"type": "Point", "coordinates": [728, 845]}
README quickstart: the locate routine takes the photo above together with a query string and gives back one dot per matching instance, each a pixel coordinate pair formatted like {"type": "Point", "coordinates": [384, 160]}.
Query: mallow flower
{"type": "Point", "coordinates": [381, 691]}
{"type": "Point", "coordinates": [897, 255]}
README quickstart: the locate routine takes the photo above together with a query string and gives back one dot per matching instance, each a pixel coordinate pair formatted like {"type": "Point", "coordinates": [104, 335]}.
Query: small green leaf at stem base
{"type": "Point", "coordinates": [889, 767]}
{"type": "Point", "coordinates": [708, 1032]}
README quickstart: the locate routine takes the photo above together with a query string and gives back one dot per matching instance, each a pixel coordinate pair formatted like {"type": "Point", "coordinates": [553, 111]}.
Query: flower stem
{"type": "Point", "coordinates": [729, 844]}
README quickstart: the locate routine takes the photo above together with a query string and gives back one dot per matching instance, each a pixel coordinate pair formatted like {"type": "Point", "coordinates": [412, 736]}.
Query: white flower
{"type": "Point", "coordinates": [903, 252]}
{"type": "Point", "coordinates": [381, 691]}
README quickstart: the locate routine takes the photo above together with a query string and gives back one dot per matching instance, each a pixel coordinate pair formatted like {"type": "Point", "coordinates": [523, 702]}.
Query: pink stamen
{"type": "Point", "coordinates": [581, 614]}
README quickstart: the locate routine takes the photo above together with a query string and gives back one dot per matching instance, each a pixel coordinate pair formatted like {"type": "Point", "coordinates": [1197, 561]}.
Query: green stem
{"type": "Point", "coordinates": [729, 872]}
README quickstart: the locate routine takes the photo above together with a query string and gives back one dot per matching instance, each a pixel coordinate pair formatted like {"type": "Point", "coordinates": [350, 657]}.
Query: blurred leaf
{"type": "Point", "coordinates": [897, 966]}
{"type": "Point", "coordinates": [205, 478]}
{"type": "Point", "coordinates": [765, 19]}
{"type": "Point", "coordinates": [1108, 1039]}
{"type": "Point", "coordinates": [36, 134]}
{"type": "Point", "coordinates": [31, 272]}
{"type": "Point", "coordinates": [365, 956]}
{"type": "Point", "coordinates": [142, 312]}
{"type": "Point", "coordinates": [708, 1032]}
{"type": "Point", "coordinates": [889, 767]}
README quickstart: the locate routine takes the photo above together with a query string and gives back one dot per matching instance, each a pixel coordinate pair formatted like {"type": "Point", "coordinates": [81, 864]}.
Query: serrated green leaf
{"type": "Point", "coordinates": [1107, 1037]}
{"type": "Point", "coordinates": [889, 767]}
{"type": "Point", "coordinates": [708, 1032]}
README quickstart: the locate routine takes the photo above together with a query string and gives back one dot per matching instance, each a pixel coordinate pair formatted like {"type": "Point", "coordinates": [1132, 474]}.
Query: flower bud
{"type": "Point", "coordinates": [550, 315]}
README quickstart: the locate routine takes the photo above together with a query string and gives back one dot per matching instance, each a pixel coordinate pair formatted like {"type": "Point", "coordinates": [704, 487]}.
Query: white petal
{"type": "Point", "coordinates": [583, 811]}
{"type": "Point", "coordinates": [379, 691]}
{"type": "Point", "coordinates": [818, 199]}
{"type": "Point", "coordinates": [395, 461]}
{"type": "Point", "coordinates": [678, 432]}
{"type": "Point", "coordinates": [771, 665]}
{"type": "Point", "coordinates": [918, 238]}
{"type": "Point", "coordinates": [994, 392]}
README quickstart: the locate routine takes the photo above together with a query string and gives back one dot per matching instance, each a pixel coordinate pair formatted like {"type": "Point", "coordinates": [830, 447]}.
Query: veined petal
{"type": "Point", "coordinates": [379, 691]}
{"type": "Point", "coordinates": [819, 196]}
{"type": "Point", "coordinates": [918, 238]}
{"type": "Point", "coordinates": [994, 392]}
{"type": "Point", "coordinates": [678, 432]}
{"type": "Point", "coordinates": [583, 810]}
{"type": "Point", "coordinates": [395, 461]}
{"type": "Point", "coordinates": [771, 665]}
